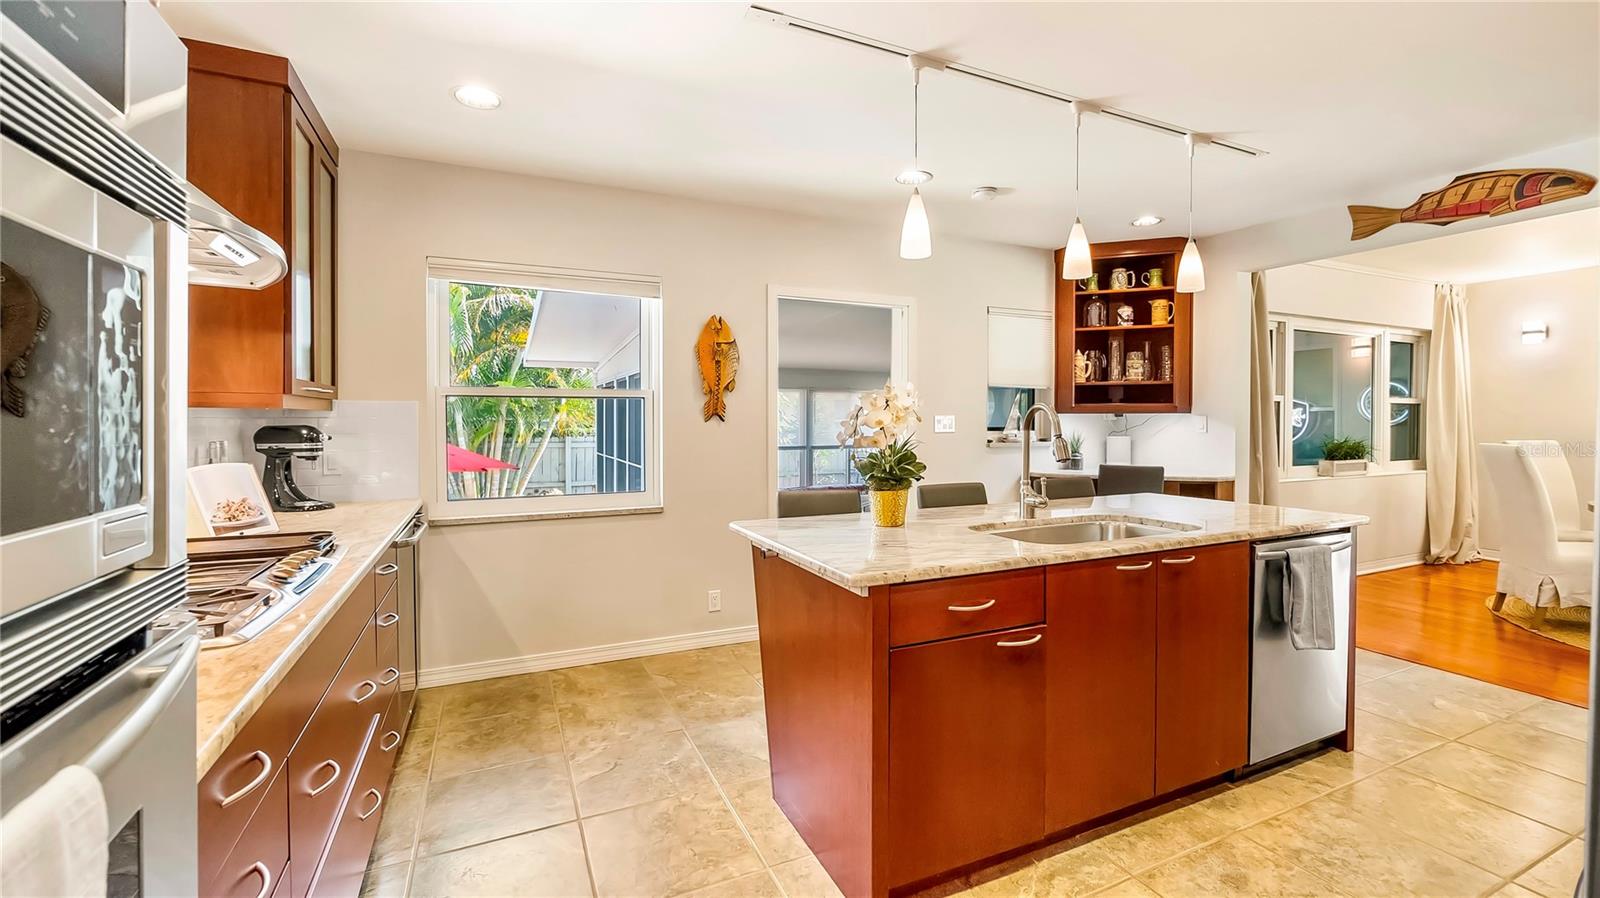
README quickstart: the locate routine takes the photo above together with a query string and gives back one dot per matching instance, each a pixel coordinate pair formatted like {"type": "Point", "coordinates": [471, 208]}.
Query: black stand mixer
{"type": "Point", "coordinates": [281, 444]}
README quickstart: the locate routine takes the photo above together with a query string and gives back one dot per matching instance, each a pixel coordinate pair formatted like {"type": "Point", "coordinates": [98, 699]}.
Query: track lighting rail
{"type": "Point", "coordinates": [774, 17]}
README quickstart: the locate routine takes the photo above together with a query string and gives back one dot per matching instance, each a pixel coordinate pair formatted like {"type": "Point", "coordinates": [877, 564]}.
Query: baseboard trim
{"type": "Point", "coordinates": [1389, 564]}
{"type": "Point", "coordinates": [616, 651]}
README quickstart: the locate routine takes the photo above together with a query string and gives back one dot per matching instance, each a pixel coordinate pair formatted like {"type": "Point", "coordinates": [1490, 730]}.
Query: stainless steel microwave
{"type": "Point", "coordinates": [92, 209]}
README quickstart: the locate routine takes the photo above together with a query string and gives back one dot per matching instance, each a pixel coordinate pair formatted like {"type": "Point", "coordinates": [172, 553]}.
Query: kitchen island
{"type": "Point", "coordinates": [944, 694]}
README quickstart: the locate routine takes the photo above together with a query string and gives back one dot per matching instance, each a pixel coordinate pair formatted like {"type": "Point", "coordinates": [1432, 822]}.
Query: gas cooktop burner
{"type": "Point", "coordinates": [235, 600]}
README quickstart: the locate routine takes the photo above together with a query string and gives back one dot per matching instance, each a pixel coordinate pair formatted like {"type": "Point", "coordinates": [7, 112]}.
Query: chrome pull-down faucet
{"type": "Point", "coordinates": [1030, 500]}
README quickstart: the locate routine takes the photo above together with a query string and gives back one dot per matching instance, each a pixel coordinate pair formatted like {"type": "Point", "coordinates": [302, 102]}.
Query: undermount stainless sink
{"type": "Point", "coordinates": [1068, 532]}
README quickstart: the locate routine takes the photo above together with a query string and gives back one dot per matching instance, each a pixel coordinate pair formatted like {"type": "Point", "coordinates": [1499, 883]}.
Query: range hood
{"type": "Point", "coordinates": [226, 252]}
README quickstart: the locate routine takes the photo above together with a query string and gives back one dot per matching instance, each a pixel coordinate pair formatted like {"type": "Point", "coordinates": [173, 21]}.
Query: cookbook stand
{"type": "Point", "coordinates": [213, 484]}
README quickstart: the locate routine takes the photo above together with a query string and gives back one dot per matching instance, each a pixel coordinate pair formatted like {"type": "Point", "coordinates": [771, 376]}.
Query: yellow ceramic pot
{"type": "Point", "coordinates": [889, 507]}
{"type": "Point", "coordinates": [1160, 311]}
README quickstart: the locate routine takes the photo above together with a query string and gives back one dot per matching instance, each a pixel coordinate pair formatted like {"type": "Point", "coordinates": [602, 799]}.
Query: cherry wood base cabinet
{"type": "Point", "coordinates": [928, 728]}
{"type": "Point", "coordinates": [292, 806]}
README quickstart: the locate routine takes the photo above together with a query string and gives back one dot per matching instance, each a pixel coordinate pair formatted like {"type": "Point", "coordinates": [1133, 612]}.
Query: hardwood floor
{"type": "Point", "coordinates": [1434, 615]}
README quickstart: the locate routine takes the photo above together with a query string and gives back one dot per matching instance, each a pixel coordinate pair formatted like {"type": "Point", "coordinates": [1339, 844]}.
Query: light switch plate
{"type": "Point", "coordinates": [1200, 423]}
{"type": "Point", "coordinates": [944, 423]}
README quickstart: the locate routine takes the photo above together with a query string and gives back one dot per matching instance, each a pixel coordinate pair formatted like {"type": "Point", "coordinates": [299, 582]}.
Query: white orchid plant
{"type": "Point", "coordinates": [883, 421]}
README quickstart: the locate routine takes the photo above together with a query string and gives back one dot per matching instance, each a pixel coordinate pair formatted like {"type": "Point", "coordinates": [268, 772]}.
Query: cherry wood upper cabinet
{"type": "Point", "coordinates": [965, 734]}
{"type": "Point", "coordinates": [258, 146]}
{"type": "Point", "coordinates": [1086, 321]}
{"type": "Point", "coordinates": [1100, 688]}
{"type": "Point", "coordinates": [1202, 663]}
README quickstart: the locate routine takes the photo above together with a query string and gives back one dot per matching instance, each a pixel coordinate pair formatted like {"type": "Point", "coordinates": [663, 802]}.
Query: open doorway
{"type": "Point", "coordinates": [826, 350]}
{"type": "Point", "coordinates": [1362, 356]}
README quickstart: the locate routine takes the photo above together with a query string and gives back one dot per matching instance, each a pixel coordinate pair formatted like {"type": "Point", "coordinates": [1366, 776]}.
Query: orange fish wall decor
{"type": "Point", "coordinates": [717, 355]}
{"type": "Point", "coordinates": [1474, 195]}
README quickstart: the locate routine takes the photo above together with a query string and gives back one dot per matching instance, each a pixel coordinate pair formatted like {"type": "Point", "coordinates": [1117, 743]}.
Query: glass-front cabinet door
{"type": "Point", "coordinates": [311, 263]}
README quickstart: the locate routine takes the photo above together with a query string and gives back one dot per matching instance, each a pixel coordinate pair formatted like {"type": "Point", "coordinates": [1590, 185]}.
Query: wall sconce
{"type": "Point", "coordinates": [1535, 332]}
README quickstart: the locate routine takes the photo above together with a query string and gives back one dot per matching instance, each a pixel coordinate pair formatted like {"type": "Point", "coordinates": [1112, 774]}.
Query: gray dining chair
{"type": "Point", "coordinates": [803, 503]}
{"type": "Point", "coordinates": [946, 495]}
{"type": "Point", "coordinates": [1117, 480]}
{"type": "Point", "coordinates": [1068, 487]}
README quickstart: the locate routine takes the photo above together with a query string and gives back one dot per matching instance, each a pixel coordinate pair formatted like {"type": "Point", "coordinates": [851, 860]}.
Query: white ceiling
{"type": "Point", "coordinates": [1540, 246]}
{"type": "Point", "coordinates": [833, 336]}
{"type": "Point", "coordinates": [695, 99]}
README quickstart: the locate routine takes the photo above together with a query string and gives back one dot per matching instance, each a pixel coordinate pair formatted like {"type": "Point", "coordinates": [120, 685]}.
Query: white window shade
{"type": "Point", "coordinates": [1021, 348]}
{"type": "Point", "coordinates": [541, 278]}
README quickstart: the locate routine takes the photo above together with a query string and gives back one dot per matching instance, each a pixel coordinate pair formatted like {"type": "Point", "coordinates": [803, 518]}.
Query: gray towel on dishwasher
{"type": "Point", "coordinates": [1308, 596]}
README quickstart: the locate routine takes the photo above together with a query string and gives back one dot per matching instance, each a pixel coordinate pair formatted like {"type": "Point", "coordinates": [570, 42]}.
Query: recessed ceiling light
{"type": "Point", "coordinates": [476, 96]}
{"type": "Point", "coordinates": [1147, 221]}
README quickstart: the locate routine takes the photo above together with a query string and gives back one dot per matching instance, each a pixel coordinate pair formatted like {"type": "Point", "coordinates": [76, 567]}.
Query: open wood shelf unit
{"type": "Point", "coordinates": [1074, 335]}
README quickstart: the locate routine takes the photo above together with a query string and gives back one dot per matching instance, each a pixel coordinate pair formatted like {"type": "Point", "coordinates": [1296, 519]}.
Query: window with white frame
{"type": "Point", "coordinates": [545, 389]}
{"type": "Point", "coordinates": [1344, 380]}
{"type": "Point", "coordinates": [808, 451]}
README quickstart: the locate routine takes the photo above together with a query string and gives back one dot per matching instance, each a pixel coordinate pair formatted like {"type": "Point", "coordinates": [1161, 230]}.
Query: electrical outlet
{"type": "Point", "coordinates": [944, 423]}
{"type": "Point", "coordinates": [330, 465]}
{"type": "Point", "coordinates": [1200, 423]}
{"type": "Point", "coordinates": [713, 600]}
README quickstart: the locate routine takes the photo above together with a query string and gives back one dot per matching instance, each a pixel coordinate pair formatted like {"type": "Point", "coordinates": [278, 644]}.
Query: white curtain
{"type": "Point", "coordinates": [1263, 487]}
{"type": "Point", "coordinates": [1447, 446]}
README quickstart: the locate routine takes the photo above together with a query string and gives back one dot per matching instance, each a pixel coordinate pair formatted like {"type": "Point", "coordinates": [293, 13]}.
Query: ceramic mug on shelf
{"type": "Point", "coordinates": [1155, 277]}
{"type": "Point", "coordinates": [1090, 283]}
{"type": "Point", "coordinates": [1124, 315]}
{"type": "Point", "coordinates": [1123, 278]}
{"type": "Point", "coordinates": [1160, 311]}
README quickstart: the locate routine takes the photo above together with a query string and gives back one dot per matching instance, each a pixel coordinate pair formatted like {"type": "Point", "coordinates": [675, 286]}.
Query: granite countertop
{"type": "Point", "coordinates": [1047, 467]}
{"type": "Point", "coordinates": [236, 680]}
{"type": "Point", "coordinates": [935, 543]}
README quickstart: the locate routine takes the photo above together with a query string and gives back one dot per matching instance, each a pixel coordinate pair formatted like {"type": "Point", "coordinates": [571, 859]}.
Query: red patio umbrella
{"type": "Point", "coordinates": [459, 460]}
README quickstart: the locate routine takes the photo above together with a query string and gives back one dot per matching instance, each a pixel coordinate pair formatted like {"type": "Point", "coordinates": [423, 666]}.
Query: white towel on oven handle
{"type": "Point", "coordinates": [53, 843]}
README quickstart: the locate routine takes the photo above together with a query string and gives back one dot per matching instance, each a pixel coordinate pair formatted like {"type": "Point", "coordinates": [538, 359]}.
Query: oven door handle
{"type": "Point", "coordinates": [166, 687]}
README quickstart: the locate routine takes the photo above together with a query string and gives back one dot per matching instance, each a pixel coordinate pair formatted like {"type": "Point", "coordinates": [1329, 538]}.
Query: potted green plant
{"type": "Point", "coordinates": [1344, 456]}
{"type": "Point", "coordinates": [882, 421]}
{"type": "Point", "coordinates": [1074, 460]}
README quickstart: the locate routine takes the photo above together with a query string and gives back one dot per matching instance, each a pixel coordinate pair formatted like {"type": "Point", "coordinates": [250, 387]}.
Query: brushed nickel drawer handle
{"type": "Point", "coordinates": [372, 689]}
{"type": "Point", "coordinates": [1019, 643]}
{"type": "Point", "coordinates": [1134, 567]}
{"type": "Point", "coordinates": [385, 570]}
{"type": "Point", "coordinates": [310, 389]}
{"type": "Point", "coordinates": [266, 770]}
{"type": "Point", "coordinates": [390, 745]}
{"type": "Point", "coordinates": [378, 804]}
{"type": "Point", "coordinates": [1184, 560]}
{"type": "Point", "coordinates": [389, 619]}
{"type": "Point", "coordinates": [337, 772]}
{"type": "Point", "coordinates": [390, 674]}
{"type": "Point", "coordinates": [261, 870]}
{"type": "Point", "coordinates": [981, 606]}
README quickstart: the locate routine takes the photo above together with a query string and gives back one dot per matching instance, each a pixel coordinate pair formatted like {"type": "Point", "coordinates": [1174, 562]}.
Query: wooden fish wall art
{"type": "Point", "coordinates": [717, 354]}
{"type": "Point", "coordinates": [1475, 195]}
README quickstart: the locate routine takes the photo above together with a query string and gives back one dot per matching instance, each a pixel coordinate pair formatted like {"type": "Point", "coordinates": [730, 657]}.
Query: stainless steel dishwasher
{"type": "Point", "coordinates": [1296, 697]}
{"type": "Point", "coordinates": [408, 580]}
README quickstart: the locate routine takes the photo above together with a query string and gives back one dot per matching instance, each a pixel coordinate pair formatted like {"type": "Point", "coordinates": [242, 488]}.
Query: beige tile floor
{"type": "Point", "coordinates": [649, 778]}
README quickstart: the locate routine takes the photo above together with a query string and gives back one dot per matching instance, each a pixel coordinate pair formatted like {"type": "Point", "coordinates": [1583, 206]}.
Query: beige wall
{"type": "Point", "coordinates": [507, 591]}
{"type": "Point", "coordinates": [1396, 502]}
{"type": "Point", "coordinates": [1537, 391]}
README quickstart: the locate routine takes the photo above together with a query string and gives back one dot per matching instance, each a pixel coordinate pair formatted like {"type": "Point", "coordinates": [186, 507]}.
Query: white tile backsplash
{"type": "Point", "coordinates": [372, 454]}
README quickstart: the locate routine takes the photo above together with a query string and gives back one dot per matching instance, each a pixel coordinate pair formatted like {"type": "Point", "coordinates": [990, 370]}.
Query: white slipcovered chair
{"type": "Point", "coordinates": [1535, 565]}
{"type": "Point", "coordinates": [1551, 464]}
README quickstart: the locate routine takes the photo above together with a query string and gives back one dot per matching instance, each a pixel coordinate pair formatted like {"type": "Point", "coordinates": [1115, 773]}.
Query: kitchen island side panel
{"type": "Point", "coordinates": [825, 672]}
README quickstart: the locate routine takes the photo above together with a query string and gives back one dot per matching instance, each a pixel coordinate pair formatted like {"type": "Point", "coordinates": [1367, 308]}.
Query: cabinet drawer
{"type": "Point", "coordinates": [940, 609]}
{"type": "Point", "coordinates": [323, 764]}
{"type": "Point", "coordinates": [346, 862]}
{"type": "Point", "coordinates": [387, 571]}
{"type": "Point", "coordinates": [966, 750]}
{"type": "Point", "coordinates": [391, 730]}
{"type": "Point", "coordinates": [256, 866]}
{"type": "Point", "coordinates": [230, 791]}
{"type": "Point", "coordinates": [388, 622]}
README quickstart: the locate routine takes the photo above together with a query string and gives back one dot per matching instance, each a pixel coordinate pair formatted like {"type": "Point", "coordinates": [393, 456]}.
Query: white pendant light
{"type": "Point", "coordinates": [916, 240]}
{"type": "Point", "coordinates": [1191, 271]}
{"type": "Point", "coordinates": [1076, 261]}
